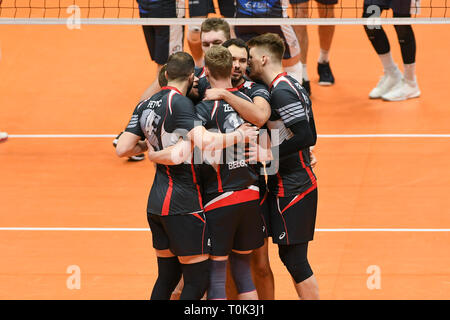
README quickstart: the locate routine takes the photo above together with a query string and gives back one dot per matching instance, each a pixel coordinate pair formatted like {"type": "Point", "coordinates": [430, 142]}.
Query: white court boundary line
{"type": "Point", "coordinates": [148, 229]}
{"type": "Point", "coordinates": [337, 136]}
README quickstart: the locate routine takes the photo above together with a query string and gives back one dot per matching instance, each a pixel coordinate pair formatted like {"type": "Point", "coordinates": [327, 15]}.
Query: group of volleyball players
{"type": "Point", "coordinates": [212, 207]}
{"type": "Point", "coordinates": [222, 187]}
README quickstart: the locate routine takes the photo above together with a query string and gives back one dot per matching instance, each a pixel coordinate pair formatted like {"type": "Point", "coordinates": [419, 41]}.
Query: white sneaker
{"type": "Point", "coordinates": [402, 91]}
{"type": "Point", "coordinates": [3, 136]}
{"type": "Point", "coordinates": [386, 83]}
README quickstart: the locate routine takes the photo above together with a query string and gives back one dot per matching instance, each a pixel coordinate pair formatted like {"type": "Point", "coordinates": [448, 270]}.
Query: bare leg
{"type": "Point", "coordinates": [262, 273]}
{"type": "Point", "coordinates": [326, 32]}
{"type": "Point", "coordinates": [308, 289]}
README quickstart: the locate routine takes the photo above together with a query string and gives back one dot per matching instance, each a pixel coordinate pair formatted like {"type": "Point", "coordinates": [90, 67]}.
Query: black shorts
{"type": "Point", "coordinates": [235, 226]}
{"type": "Point", "coordinates": [293, 218]}
{"type": "Point", "coordinates": [184, 234]}
{"type": "Point", "coordinates": [162, 41]}
{"type": "Point", "coordinates": [227, 8]}
{"type": "Point", "coordinates": [401, 7]}
{"type": "Point", "coordinates": [200, 8]}
{"type": "Point", "coordinates": [319, 1]}
{"type": "Point", "coordinates": [286, 32]}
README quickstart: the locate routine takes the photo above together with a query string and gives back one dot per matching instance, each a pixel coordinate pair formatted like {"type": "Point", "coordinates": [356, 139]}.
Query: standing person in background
{"type": "Point", "coordinates": [393, 86]}
{"type": "Point", "coordinates": [271, 9]}
{"type": "Point", "coordinates": [326, 32]}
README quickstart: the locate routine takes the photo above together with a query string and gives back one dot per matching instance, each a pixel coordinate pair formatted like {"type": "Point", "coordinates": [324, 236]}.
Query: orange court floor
{"type": "Point", "coordinates": [383, 169]}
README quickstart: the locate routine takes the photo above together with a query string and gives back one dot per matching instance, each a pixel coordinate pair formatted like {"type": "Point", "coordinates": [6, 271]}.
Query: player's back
{"type": "Point", "coordinates": [165, 118]}
{"type": "Point", "coordinates": [290, 104]}
{"type": "Point", "coordinates": [232, 172]}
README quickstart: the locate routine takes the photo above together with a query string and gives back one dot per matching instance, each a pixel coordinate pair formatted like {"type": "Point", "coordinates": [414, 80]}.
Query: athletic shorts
{"type": "Point", "coordinates": [183, 234]}
{"type": "Point", "coordinates": [233, 224]}
{"type": "Point", "coordinates": [402, 7]}
{"type": "Point", "coordinates": [319, 1]}
{"type": "Point", "coordinates": [162, 41]}
{"type": "Point", "coordinates": [227, 8]}
{"type": "Point", "coordinates": [200, 8]}
{"type": "Point", "coordinates": [293, 218]}
{"type": "Point", "coordinates": [286, 32]}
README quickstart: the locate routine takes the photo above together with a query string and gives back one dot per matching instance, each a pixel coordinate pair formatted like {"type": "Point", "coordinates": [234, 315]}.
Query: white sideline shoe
{"type": "Point", "coordinates": [402, 91]}
{"type": "Point", "coordinates": [3, 136]}
{"type": "Point", "coordinates": [386, 83]}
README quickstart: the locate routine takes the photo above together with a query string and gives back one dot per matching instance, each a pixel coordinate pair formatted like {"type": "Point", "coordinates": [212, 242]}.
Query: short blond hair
{"type": "Point", "coordinates": [219, 62]}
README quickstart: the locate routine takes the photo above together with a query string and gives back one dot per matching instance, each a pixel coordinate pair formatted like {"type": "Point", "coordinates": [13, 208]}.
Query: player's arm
{"type": "Point", "coordinates": [292, 111]}
{"type": "Point", "coordinates": [256, 112]}
{"type": "Point", "coordinates": [173, 155]}
{"type": "Point", "coordinates": [130, 144]}
{"type": "Point", "coordinates": [207, 140]}
{"type": "Point", "coordinates": [202, 138]}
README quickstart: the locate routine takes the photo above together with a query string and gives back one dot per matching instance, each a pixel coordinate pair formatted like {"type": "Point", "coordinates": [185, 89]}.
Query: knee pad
{"type": "Point", "coordinates": [407, 43]}
{"type": "Point", "coordinates": [240, 269]}
{"type": "Point", "coordinates": [196, 279]}
{"type": "Point", "coordinates": [169, 274]}
{"type": "Point", "coordinates": [294, 257]}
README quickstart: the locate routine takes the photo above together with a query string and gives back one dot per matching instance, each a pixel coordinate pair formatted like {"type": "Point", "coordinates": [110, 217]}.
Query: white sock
{"type": "Point", "coordinates": [324, 56]}
{"type": "Point", "coordinates": [305, 73]}
{"type": "Point", "coordinates": [389, 65]}
{"type": "Point", "coordinates": [295, 71]}
{"type": "Point", "coordinates": [410, 72]}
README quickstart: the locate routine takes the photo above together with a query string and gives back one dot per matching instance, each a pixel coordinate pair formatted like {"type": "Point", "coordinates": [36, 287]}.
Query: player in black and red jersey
{"type": "Point", "coordinates": [257, 112]}
{"type": "Point", "coordinates": [175, 210]}
{"type": "Point", "coordinates": [293, 189]}
{"type": "Point", "coordinates": [230, 188]}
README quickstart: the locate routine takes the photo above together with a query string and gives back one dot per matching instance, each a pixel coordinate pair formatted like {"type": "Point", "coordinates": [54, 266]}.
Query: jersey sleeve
{"type": "Point", "coordinates": [134, 123]}
{"type": "Point", "coordinates": [202, 113]}
{"type": "Point", "coordinates": [289, 106]}
{"type": "Point", "coordinates": [184, 113]}
{"type": "Point", "coordinates": [259, 90]}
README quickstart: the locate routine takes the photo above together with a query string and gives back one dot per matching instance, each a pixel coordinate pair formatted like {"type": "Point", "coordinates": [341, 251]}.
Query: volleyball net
{"type": "Point", "coordinates": [126, 12]}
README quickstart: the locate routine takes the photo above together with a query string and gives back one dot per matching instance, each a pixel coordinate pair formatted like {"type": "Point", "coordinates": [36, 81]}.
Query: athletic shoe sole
{"type": "Point", "coordinates": [326, 83]}
{"type": "Point", "coordinates": [417, 95]}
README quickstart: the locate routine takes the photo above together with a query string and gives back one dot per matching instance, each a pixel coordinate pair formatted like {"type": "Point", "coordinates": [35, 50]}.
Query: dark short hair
{"type": "Point", "coordinates": [179, 66]}
{"type": "Point", "coordinates": [238, 43]}
{"type": "Point", "coordinates": [219, 62]}
{"type": "Point", "coordinates": [270, 41]}
{"type": "Point", "coordinates": [162, 80]}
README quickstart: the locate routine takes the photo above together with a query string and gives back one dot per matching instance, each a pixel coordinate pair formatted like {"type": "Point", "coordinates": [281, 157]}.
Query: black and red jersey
{"type": "Point", "coordinates": [290, 104]}
{"type": "Point", "coordinates": [254, 89]}
{"type": "Point", "coordinates": [162, 120]}
{"type": "Point", "coordinates": [231, 173]}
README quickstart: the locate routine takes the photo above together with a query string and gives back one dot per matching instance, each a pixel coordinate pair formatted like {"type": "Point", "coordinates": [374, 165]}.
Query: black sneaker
{"type": "Point", "coordinates": [325, 75]}
{"type": "Point", "coordinates": [138, 157]}
{"type": "Point", "coordinates": [116, 139]}
{"type": "Point", "coordinates": [307, 86]}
